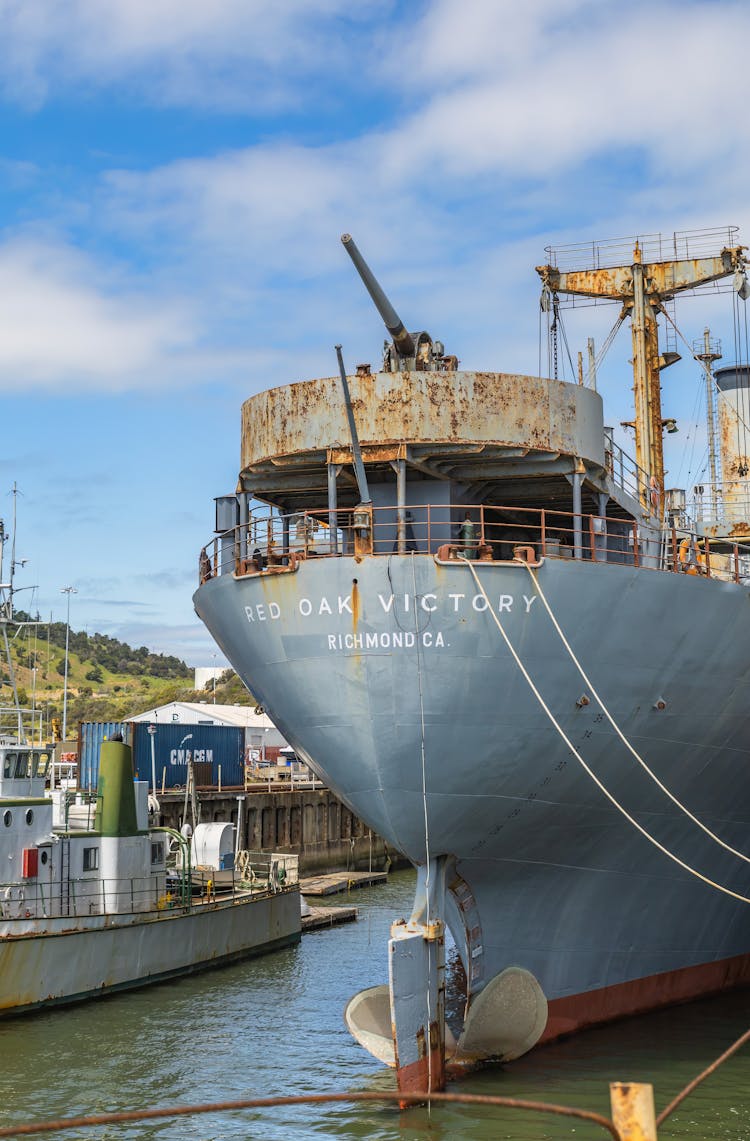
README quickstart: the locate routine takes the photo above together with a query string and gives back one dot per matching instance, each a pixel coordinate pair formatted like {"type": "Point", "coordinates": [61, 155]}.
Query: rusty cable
{"type": "Point", "coordinates": [404, 1099]}
{"type": "Point", "coordinates": [702, 1076]}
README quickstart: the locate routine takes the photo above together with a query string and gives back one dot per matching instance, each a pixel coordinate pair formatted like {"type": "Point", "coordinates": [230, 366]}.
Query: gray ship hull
{"type": "Point", "coordinates": [389, 674]}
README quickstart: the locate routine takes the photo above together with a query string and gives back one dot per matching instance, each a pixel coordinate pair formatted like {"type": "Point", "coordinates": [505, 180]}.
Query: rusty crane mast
{"type": "Point", "coordinates": [643, 287]}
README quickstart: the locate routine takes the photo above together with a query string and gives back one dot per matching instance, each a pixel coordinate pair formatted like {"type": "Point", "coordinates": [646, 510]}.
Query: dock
{"type": "Point", "coordinates": [333, 883]}
{"type": "Point", "coordinates": [320, 917]}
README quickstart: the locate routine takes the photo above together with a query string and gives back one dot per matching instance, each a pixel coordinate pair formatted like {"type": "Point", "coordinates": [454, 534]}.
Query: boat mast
{"type": "Point", "coordinates": [6, 617]}
{"type": "Point", "coordinates": [708, 351]}
{"type": "Point", "coordinates": [643, 287]}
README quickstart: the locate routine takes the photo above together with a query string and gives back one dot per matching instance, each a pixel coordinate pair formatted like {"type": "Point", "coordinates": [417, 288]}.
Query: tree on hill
{"type": "Point", "coordinates": [113, 655]}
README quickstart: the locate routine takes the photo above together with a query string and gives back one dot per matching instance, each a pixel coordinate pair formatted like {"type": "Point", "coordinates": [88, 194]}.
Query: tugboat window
{"type": "Point", "coordinates": [10, 760]}
{"type": "Point", "coordinates": [7, 818]}
{"type": "Point", "coordinates": [22, 766]}
{"type": "Point", "coordinates": [90, 859]}
{"type": "Point", "coordinates": [29, 816]}
{"type": "Point", "coordinates": [44, 857]}
{"type": "Point", "coordinates": [157, 852]}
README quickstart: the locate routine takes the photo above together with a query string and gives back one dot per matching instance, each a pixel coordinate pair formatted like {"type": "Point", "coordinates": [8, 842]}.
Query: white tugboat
{"type": "Point", "coordinates": [88, 904]}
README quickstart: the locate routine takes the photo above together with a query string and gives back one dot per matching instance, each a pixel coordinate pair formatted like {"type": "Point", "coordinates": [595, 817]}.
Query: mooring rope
{"type": "Point", "coordinates": [618, 731]}
{"type": "Point", "coordinates": [612, 799]}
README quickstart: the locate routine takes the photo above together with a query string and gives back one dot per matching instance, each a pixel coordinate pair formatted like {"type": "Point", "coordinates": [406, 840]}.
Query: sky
{"type": "Point", "coordinates": [174, 179]}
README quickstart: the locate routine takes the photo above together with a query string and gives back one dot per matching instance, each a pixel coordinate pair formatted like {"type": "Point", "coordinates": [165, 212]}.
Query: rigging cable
{"type": "Point", "coordinates": [612, 799]}
{"type": "Point", "coordinates": [565, 342]}
{"type": "Point", "coordinates": [605, 348]}
{"type": "Point", "coordinates": [742, 368]}
{"type": "Point", "coordinates": [746, 396]}
{"type": "Point", "coordinates": [427, 883]}
{"type": "Point", "coordinates": [618, 731]}
{"type": "Point", "coordinates": [736, 330]}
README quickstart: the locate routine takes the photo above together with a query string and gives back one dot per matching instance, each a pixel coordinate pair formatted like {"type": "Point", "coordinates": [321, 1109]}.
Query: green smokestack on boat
{"type": "Point", "coordinates": [115, 792]}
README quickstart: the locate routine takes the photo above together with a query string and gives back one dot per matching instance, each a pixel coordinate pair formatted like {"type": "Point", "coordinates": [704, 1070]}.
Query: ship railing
{"type": "Point", "coordinates": [623, 470]}
{"type": "Point", "coordinates": [275, 543]}
{"type": "Point", "coordinates": [81, 898]}
{"type": "Point", "coordinates": [271, 871]}
{"type": "Point", "coordinates": [21, 724]}
{"type": "Point", "coordinates": [682, 244]}
{"type": "Point", "coordinates": [262, 872]}
{"type": "Point", "coordinates": [716, 504]}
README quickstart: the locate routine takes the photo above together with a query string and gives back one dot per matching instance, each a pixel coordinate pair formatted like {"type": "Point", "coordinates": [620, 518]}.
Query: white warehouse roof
{"type": "Point", "coordinates": [206, 713]}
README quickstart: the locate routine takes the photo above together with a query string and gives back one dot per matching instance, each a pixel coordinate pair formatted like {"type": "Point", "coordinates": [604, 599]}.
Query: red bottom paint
{"type": "Point", "coordinates": [427, 1074]}
{"type": "Point", "coordinates": [576, 1012]}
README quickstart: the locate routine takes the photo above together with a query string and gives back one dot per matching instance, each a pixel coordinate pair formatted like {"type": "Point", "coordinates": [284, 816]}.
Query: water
{"type": "Point", "coordinates": [274, 1026]}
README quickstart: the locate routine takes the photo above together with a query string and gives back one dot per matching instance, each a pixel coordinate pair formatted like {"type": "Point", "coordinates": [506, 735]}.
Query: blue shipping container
{"type": "Point", "coordinates": [220, 746]}
{"type": "Point", "coordinates": [90, 740]}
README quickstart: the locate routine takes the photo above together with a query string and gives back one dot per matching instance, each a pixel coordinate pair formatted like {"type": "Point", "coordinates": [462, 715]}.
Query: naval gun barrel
{"type": "Point", "coordinates": [393, 323]}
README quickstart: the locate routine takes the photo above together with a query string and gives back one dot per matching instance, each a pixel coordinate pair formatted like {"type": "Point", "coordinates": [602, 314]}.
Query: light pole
{"type": "Point", "coordinates": [66, 590]}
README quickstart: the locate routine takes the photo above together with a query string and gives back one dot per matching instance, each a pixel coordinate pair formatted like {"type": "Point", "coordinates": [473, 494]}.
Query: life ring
{"type": "Point", "coordinates": [686, 553]}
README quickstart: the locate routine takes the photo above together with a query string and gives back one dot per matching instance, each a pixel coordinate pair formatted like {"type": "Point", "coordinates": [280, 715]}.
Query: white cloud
{"type": "Point", "coordinates": [516, 121]}
{"type": "Point", "coordinates": [231, 53]}
{"type": "Point", "coordinates": [537, 88]}
{"type": "Point", "coordinates": [64, 319]}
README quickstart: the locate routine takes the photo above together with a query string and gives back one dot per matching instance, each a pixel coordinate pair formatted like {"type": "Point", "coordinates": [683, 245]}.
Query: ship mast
{"type": "Point", "coordinates": [643, 287]}
{"type": "Point", "coordinates": [708, 351]}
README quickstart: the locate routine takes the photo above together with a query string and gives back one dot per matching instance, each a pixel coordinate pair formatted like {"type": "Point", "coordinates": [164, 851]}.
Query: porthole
{"type": "Point", "coordinates": [7, 818]}
{"type": "Point", "coordinates": [29, 816]}
{"type": "Point", "coordinates": [45, 857]}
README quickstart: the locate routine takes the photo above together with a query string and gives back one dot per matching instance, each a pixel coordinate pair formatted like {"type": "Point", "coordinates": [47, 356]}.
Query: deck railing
{"type": "Point", "coordinates": [273, 542]}
{"type": "Point", "coordinates": [261, 872]}
{"type": "Point", "coordinates": [82, 897]}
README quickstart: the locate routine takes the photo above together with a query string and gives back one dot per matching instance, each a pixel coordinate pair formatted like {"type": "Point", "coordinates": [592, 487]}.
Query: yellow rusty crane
{"type": "Point", "coordinates": [643, 287]}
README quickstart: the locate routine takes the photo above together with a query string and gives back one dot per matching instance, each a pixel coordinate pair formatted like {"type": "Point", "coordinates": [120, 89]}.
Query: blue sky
{"type": "Point", "coordinates": [174, 178]}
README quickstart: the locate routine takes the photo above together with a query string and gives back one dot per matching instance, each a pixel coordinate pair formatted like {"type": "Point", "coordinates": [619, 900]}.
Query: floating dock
{"type": "Point", "coordinates": [334, 883]}
{"type": "Point", "coordinates": [321, 917]}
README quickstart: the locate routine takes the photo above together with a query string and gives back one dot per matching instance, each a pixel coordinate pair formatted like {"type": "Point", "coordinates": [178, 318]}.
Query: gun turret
{"type": "Point", "coordinates": [409, 350]}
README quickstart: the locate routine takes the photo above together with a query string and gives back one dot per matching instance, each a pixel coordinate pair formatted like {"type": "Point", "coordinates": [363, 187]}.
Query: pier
{"type": "Point", "coordinates": [322, 917]}
{"type": "Point", "coordinates": [337, 882]}
{"type": "Point", "coordinates": [309, 822]}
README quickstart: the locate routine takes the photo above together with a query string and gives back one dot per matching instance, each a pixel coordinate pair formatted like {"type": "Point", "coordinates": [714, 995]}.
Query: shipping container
{"type": "Point", "coordinates": [90, 737]}
{"type": "Point", "coordinates": [209, 747]}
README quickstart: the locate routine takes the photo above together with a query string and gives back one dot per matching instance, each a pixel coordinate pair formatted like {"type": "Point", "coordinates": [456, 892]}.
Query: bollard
{"type": "Point", "coordinates": [633, 1110]}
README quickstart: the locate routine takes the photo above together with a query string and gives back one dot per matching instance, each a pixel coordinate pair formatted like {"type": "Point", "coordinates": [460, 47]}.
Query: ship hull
{"type": "Point", "coordinates": [104, 955]}
{"type": "Point", "coordinates": [392, 677]}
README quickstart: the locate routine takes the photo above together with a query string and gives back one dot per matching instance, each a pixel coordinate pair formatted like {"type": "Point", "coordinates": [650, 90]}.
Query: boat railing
{"type": "Point", "coordinates": [623, 470]}
{"type": "Point", "coordinates": [272, 870]}
{"type": "Point", "coordinates": [80, 898]}
{"type": "Point", "coordinates": [726, 503]}
{"type": "Point", "coordinates": [682, 244]}
{"type": "Point", "coordinates": [275, 543]}
{"type": "Point", "coordinates": [21, 724]}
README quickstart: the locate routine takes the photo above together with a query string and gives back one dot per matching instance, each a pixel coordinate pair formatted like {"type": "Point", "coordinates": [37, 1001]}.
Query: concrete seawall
{"type": "Point", "coordinates": [313, 823]}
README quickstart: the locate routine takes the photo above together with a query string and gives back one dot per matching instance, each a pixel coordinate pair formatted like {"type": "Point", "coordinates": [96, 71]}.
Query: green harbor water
{"type": "Point", "coordinates": [274, 1026]}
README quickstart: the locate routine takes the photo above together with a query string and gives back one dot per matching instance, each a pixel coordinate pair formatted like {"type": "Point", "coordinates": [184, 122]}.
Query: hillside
{"type": "Point", "coordinates": [108, 680]}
